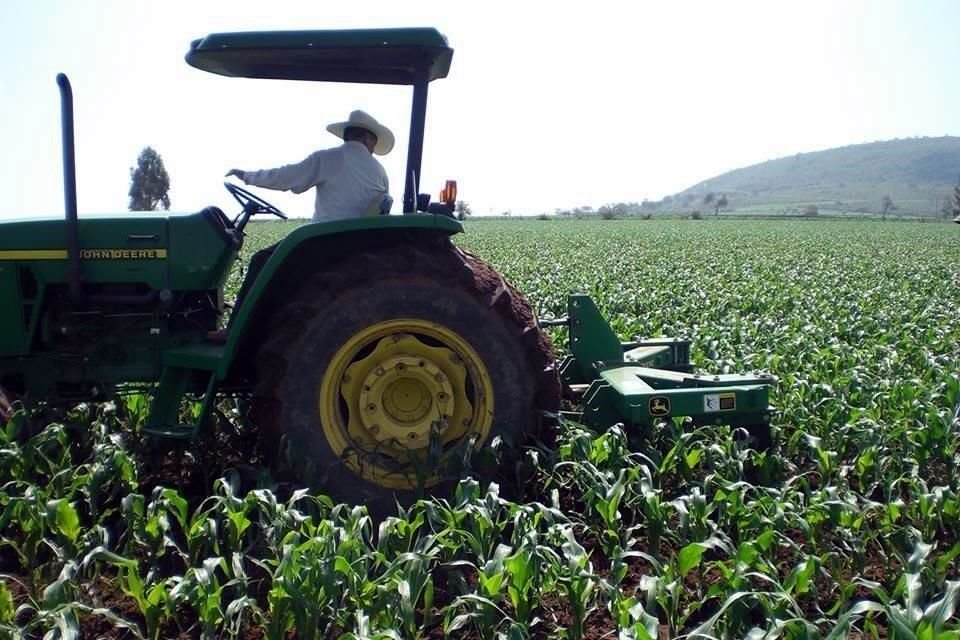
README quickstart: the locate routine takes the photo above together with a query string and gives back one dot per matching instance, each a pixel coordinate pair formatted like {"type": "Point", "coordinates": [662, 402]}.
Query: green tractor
{"type": "Point", "coordinates": [373, 349]}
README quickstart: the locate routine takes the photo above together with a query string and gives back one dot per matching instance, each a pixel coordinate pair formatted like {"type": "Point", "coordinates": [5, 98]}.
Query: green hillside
{"type": "Point", "coordinates": [916, 173]}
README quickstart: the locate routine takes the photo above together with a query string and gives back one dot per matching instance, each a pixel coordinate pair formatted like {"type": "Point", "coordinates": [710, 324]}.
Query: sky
{"type": "Point", "coordinates": [548, 104]}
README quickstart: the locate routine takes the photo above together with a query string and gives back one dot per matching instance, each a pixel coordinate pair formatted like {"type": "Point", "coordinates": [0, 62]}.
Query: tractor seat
{"type": "Point", "coordinates": [379, 206]}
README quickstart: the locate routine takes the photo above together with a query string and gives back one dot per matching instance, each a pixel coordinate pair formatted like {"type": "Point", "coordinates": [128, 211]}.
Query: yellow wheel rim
{"type": "Point", "coordinates": [398, 395]}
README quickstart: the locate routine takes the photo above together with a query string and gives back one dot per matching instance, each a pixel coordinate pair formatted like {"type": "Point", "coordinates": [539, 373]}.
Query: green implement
{"type": "Point", "coordinates": [638, 383]}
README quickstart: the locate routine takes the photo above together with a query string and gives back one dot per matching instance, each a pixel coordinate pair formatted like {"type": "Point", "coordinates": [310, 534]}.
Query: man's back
{"type": "Point", "coordinates": [350, 182]}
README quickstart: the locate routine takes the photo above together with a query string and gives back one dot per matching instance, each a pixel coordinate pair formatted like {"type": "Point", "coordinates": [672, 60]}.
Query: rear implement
{"type": "Point", "coordinates": [639, 383]}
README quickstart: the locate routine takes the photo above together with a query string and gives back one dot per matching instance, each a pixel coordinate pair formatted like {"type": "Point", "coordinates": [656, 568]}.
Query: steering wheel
{"type": "Point", "coordinates": [252, 205]}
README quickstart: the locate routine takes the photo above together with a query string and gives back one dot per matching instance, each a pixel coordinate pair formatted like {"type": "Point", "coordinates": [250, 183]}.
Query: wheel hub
{"type": "Point", "coordinates": [398, 395]}
{"type": "Point", "coordinates": [406, 399]}
{"type": "Point", "coordinates": [403, 393]}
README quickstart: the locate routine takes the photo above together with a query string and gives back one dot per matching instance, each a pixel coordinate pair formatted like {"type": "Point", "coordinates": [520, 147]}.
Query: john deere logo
{"type": "Point", "coordinates": [659, 406]}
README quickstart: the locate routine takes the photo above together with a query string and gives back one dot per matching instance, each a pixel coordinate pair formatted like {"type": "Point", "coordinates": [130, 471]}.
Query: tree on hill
{"type": "Point", "coordinates": [721, 203]}
{"type": "Point", "coordinates": [709, 199]}
{"type": "Point", "coordinates": [149, 183]}
{"type": "Point", "coordinates": [956, 199]}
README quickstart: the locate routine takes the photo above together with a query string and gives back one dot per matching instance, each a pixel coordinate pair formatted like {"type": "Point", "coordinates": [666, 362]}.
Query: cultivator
{"type": "Point", "coordinates": [374, 350]}
{"type": "Point", "coordinates": [638, 383]}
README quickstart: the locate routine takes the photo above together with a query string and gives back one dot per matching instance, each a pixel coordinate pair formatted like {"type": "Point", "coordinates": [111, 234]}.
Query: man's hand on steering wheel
{"type": "Point", "coordinates": [251, 204]}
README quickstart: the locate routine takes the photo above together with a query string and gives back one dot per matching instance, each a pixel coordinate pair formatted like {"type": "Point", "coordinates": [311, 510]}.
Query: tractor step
{"type": "Point", "coordinates": [180, 366]}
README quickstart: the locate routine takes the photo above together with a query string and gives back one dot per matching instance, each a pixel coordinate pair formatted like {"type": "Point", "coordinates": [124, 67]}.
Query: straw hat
{"type": "Point", "coordinates": [364, 120]}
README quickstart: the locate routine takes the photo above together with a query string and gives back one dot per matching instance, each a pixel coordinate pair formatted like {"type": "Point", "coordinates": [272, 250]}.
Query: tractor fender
{"type": "Point", "coordinates": [312, 245]}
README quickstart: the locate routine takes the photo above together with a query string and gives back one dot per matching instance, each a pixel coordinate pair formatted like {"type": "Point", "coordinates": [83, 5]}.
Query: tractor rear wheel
{"type": "Point", "coordinates": [390, 366]}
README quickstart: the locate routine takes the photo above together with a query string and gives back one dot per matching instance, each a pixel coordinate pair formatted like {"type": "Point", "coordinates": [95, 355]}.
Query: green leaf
{"type": "Point", "coordinates": [942, 610]}
{"type": "Point", "coordinates": [65, 518]}
{"type": "Point", "coordinates": [690, 557]}
{"type": "Point", "coordinates": [7, 609]}
{"type": "Point", "coordinates": [901, 624]}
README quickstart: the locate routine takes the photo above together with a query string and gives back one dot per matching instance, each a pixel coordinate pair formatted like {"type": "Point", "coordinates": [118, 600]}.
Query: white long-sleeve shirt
{"type": "Point", "coordinates": [347, 178]}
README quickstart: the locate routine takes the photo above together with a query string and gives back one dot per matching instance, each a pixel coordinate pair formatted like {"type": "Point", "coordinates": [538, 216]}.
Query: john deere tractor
{"type": "Point", "coordinates": [373, 349]}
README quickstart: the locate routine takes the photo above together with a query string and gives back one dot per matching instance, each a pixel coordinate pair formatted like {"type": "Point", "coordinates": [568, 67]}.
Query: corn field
{"type": "Point", "coordinates": [849, 527]}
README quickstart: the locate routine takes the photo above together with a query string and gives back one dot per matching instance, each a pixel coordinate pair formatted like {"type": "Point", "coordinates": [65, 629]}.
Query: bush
{"type": "Point", "coordinates": [811, 211]}
{"type": "Point", "coordinates": [696, 215]}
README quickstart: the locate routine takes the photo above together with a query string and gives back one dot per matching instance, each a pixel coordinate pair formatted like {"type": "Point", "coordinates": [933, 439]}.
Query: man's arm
{"type": "Point", "coordinates": [293, 177]}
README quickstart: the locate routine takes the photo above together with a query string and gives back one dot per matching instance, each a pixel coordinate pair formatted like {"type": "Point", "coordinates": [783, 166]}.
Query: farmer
{"type": "Point", "coordinates": [350, 183]}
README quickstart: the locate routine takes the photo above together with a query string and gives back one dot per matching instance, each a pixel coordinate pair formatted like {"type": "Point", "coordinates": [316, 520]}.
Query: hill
{"type": "Point", "coordinates": [917, 173]}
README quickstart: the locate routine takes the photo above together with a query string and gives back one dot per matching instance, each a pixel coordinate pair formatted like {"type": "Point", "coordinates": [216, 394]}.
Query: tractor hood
{"type": "Point", "coordinates": [178, 250]}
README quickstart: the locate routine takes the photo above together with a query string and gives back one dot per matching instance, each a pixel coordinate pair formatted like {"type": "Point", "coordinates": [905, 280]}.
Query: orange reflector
{"type": "Point", "coordinates": [448, 195]}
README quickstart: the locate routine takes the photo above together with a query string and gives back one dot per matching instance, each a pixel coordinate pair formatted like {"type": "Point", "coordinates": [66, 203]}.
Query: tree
{"type": "Point", "coordinates": [956, 199]}
{"type": "Point", "coordinates": [721, 203]}
{"type": "Point", "coordinates": [613, 211]}
{"type": "Point", "coordinates": [886, 205]}
{"type": "Point", "coordinates": [149, 183]}
{"type": "Point", "coordinates": [463, 209]}
{"type": "Point", "coordinates": [709, 199]}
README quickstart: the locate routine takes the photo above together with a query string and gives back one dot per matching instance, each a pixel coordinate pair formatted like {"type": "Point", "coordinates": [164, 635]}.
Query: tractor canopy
{"type": "Point", "coordinates": [375, 56]}
{"type": "Point", "coordinates": [414, 56]}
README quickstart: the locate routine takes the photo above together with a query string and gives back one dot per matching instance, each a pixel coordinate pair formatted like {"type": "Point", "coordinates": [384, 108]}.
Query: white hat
{"type": "Point", "coordinates": [364, 120]}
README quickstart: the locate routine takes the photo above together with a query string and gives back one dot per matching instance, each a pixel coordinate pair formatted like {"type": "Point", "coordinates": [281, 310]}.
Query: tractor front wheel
{"type": "Point", "coordinates": [390, 366]}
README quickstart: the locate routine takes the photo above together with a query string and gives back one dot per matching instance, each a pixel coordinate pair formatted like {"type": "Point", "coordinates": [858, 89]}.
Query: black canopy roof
{"type": "Point", "coordinates": [376, 56]}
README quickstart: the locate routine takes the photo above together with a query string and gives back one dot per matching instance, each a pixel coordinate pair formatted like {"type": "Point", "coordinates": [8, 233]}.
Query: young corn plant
{"type": "Point", "coordinates": [579, 584]}
{"type": "Point", "coordinates": [202, 590]}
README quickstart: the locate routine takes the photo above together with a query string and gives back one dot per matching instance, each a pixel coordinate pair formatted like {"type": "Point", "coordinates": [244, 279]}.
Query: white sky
{"type": "Point", "coordinates": [548, 104]}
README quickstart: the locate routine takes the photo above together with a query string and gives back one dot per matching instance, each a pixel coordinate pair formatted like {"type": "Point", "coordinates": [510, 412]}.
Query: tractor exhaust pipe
{"type": "Point", "coordinates": [70, 188]}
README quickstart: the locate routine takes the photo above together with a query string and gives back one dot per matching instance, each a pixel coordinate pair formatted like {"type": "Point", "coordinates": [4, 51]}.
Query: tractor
{"type": "Point", "coordinates": [372, 350]}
